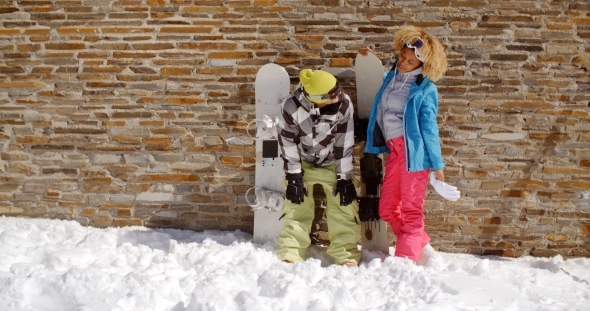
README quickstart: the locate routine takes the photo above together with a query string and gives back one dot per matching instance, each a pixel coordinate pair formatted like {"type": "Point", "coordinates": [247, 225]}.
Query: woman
{"type": "Point", "coordinates": [403, 122]}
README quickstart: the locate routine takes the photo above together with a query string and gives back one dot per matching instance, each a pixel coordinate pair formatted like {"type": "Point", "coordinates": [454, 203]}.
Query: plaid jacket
{"type": "Point", "coordinates": [317, 136]}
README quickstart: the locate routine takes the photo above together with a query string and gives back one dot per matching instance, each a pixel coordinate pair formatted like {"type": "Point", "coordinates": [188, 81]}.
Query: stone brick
{"type": "Point", "coordinates": [22, 84]}
{"type": "Point", "coordinates": [503, 252]}
{"type": "Point", "coordinates": [492, 221]}
{"type": "Point", "coordinates": [77, 30]}
{"type": "Point", "coordinates": [186, 100]}
{"type": "Point", "coordinates": [558, 237]}
{"type": "Point", "coordinates": [205, 9]}
{"type": "Point", "coordinates": [9, 210]}
{"type": "Point", "coordinates": [492, 184]}
{"type": "Point", "coordinates": [129, 115]}
{"type": "Point", "coordinates": [126, 139]}
{"type": "Point", "coordinates": [176, 71]}
{"type": "Point", "coordinates": [65, 171]}
{"type": "Point", "coordinates": [166, 177]}
{"type": "Point", "coordinates": [235, 160]}
{"type": "Point", "coordinates": [564, 170]}
{"type": "Point", "coordinates": [6, 10]}
{"type": "Point", "coordinates": [477, 174]}
{"type": "Point", "coordinates": [499, 244]}
{"type": "Point", "coordinates": [147, 47]}
{"type": "Point", "coordinates": [573, 185]}
{"type": "Point", "coordinates": [88, 212]}
{"type": "Point", "coordinates": [14, 157]}
{"type": "Point", "coordinates": [65, 46]}
{"type": "Point", "coordinates": [186, 29]}
{"type": "Point", "coordinates": [126, 212]}
{"type": "Point", "coordinates": [515, 194]}
{"type": "Point", "coordinates": [500, 230]}
{"type": "Point", "coordinates": [127, 222]}
{"type": "Point", "coordinates": [127, 30]}
{"type": "Point", "coordinates": [530, 184]}
{"type": "Point", "coordinates": [581, 153]}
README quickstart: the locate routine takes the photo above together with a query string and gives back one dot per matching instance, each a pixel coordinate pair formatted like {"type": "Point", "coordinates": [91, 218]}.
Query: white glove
{"type": "Point", "coordinates": [445, 190]}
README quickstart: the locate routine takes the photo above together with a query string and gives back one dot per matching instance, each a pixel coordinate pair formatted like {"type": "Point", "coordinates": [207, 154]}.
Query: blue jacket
{"type": "Point", "coordinates": [420, 128]}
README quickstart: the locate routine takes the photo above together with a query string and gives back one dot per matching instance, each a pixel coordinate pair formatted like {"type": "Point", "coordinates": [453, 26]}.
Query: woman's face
{"type": "Point", "coordinates": [407, 61]}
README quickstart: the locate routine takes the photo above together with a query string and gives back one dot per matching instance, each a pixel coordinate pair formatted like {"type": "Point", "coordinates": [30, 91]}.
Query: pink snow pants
{"type": "Point", "coordinates": [402, 202]}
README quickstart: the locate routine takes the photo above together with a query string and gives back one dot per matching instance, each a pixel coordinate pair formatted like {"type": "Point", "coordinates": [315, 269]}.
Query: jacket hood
{"type": "Point", "coordinates": [434, 53]}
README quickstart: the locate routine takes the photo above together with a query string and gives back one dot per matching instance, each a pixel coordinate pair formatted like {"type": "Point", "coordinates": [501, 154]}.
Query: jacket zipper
{"type": "Point", "coordinates": [408, 166]}
{"type": "Point", "coordinates": [406, 139]}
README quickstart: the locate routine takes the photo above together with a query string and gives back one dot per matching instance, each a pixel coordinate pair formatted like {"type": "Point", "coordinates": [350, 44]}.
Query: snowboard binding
{"type": "Point", "coordinates": [369, 209]}
{"type": "Point", "coordinates": [271, 200]}
{"type": "Point", "coordinates": [372, 176]}
{"type": "Point", "coordinates": [266, 128]}
{"type": "Point", "coordinates": [360, 129]}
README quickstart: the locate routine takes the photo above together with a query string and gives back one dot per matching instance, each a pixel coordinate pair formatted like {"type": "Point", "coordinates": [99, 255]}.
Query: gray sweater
{"type": "Point", "coordinates": [393, 101]}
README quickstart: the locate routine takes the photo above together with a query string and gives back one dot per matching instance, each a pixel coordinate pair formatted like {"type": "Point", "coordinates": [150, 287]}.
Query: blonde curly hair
{"type": "Point", "coordinates": [434, 53]}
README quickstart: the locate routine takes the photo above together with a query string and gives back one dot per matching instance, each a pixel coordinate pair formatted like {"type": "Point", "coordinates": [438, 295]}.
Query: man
{"type": "Point", "coordinates": [316, 135]}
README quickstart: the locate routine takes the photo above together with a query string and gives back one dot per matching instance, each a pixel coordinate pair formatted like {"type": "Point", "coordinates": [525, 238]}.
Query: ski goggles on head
{"type": "Point", "coordinates": [416, 45]}
{"type": "Point", "coordinates": [332, 94]}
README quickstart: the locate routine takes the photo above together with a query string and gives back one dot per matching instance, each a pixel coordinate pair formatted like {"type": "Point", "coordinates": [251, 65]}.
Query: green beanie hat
{"type": "Point", "coordinates": [317, 82]}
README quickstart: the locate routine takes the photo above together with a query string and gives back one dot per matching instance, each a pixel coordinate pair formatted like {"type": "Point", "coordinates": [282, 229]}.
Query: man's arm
{"type": "Point", "coordinates": [288, 130]}
{"type": "Point", "coordinates": [344, 141]}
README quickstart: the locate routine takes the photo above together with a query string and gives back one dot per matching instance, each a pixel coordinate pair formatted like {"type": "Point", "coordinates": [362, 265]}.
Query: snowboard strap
{"type": "Point", "coordinates": [266, 128]}
{"type": "Point", "coordinates": [371, 175]}
{"type": "Point", "coordinates": [271, 200]}
{"type": "Point", "coordinates": [369, 209]}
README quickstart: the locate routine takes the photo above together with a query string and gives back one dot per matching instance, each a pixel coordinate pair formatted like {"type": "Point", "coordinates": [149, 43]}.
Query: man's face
{"type": "Point", "coordinates": [328, 102]}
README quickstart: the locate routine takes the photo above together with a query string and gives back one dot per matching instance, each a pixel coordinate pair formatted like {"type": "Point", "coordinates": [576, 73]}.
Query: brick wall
{"type": "Point", "coordinates": [133, 112]}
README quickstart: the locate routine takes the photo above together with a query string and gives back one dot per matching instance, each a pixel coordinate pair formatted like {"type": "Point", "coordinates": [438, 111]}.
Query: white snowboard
{"type": "Point", "coordinates": [369, 77]}
{"type": "Point", "coordinates": [271, 86]}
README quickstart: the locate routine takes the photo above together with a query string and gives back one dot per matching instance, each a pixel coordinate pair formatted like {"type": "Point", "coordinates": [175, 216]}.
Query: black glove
{"type": "Point", "coordinates": [296, 188]}
{"type": "Point", "coordinates": [347, 191]}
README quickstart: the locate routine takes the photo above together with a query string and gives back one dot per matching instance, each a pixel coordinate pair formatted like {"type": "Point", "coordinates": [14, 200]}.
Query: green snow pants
{"type": "Point", "coordinates": [343, 221]}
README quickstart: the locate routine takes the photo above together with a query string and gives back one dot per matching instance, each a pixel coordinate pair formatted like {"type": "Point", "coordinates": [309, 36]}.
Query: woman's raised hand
{"type": "Point", "coordinates": [364, 51]}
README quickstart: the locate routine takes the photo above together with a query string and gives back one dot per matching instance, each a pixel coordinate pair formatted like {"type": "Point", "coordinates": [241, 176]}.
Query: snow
{"type": "Point", "coordinates": [61, 265]}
